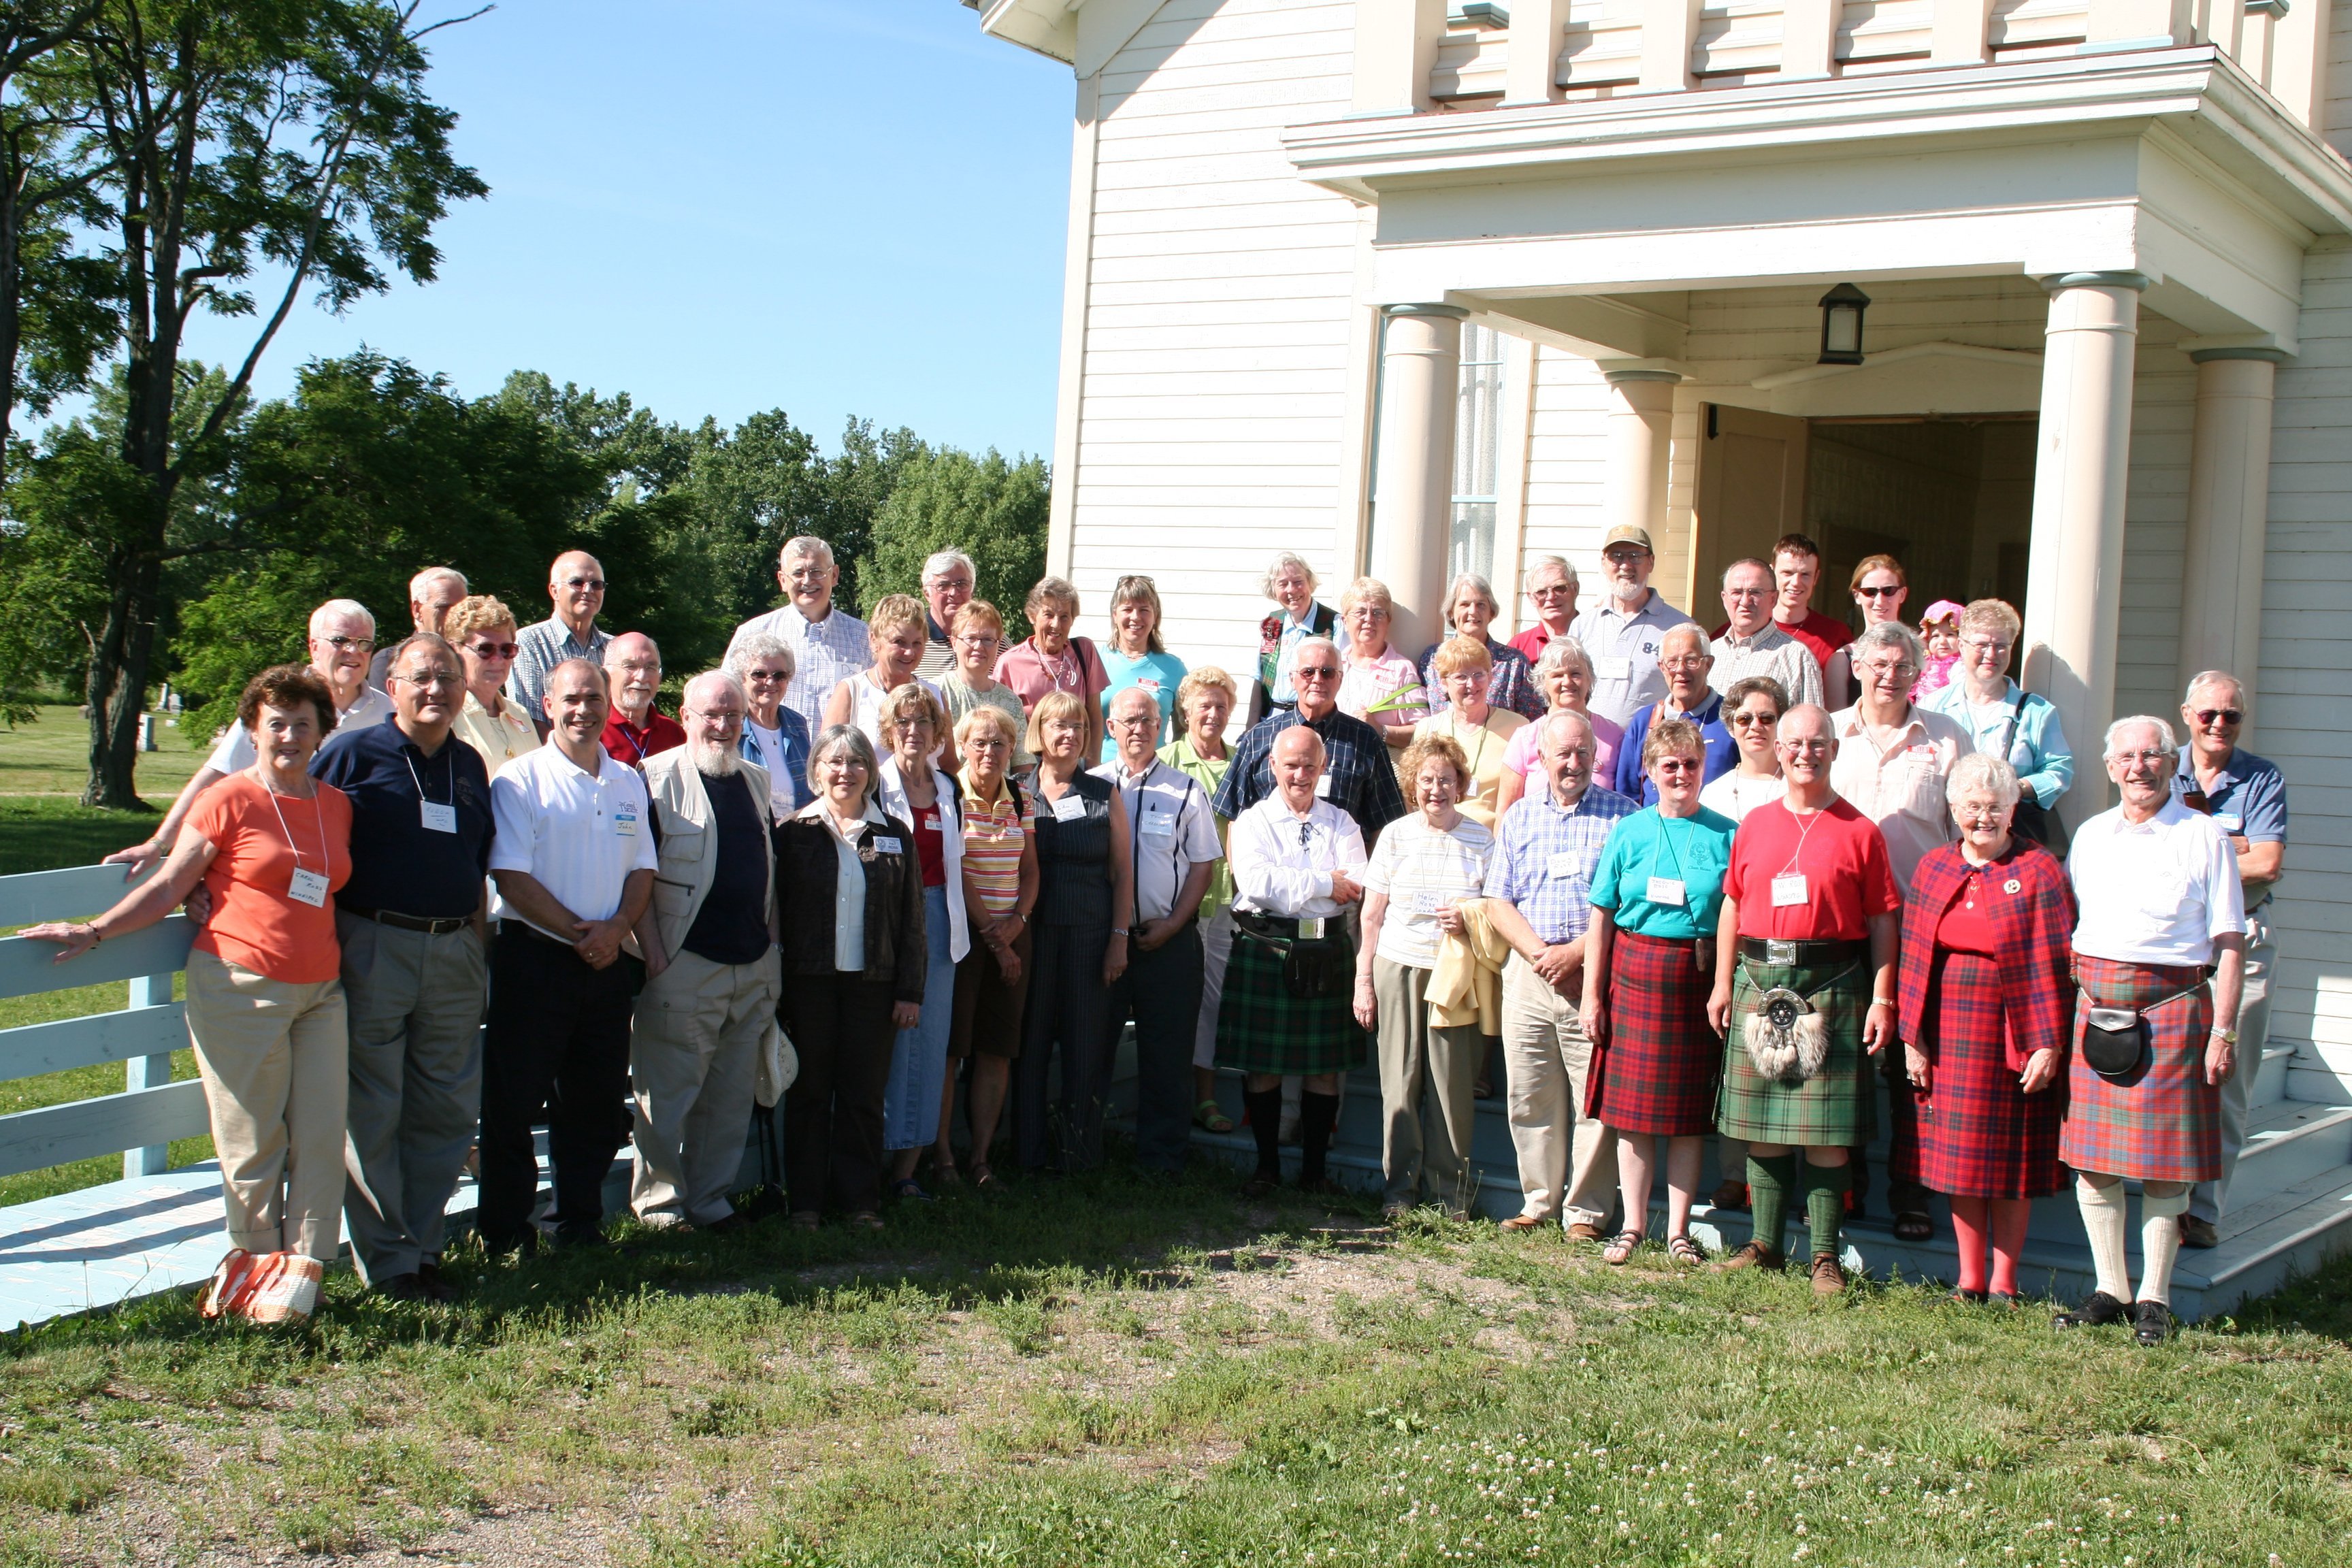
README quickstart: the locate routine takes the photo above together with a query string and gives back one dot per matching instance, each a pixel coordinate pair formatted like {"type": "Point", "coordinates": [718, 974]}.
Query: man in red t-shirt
{"type": "Point", "coordinates": [1796, 567]}
{"type": "Point", "coordinates": [1804, 992]}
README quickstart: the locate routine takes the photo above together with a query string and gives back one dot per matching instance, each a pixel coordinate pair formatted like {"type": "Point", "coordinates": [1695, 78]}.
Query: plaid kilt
{"type": "Point", "coordinates": [1978, 1135]}
{"type": "Point", "coordinates": [2164, 1122]}
{"type": "Point", "coordinates": [1262, 1027]}
{"type": "Point", "coordinates": [1655, 1066]}
{"type": "Point", "coordinates": [1837, 1108]}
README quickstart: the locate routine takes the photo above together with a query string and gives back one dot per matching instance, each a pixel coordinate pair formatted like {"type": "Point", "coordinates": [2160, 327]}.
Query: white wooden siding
{"type": "Point", "coordinates": [2335, 89]}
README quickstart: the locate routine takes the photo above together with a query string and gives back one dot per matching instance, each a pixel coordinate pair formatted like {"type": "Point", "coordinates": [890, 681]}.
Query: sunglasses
{"type": "Point", "coordinates": [494, 649]}
{"type": "Point", "coordinates": [2226, 715]}
{"type": "Point", "coordinates": [1880, 592]}
{"type": "Point", "coordinates": [1317, 672]}
{"type": "Point", "coordinates": [1676, 765]}
{"type": "Point", "coordinates": [1749, 720]}
{"type": "Point", "coordinates": [593, 585]}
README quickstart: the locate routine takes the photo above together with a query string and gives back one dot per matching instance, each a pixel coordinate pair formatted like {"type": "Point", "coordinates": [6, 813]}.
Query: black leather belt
{"type": "Point", "coordinates": [1803, 954]}
{"type": "Point", "coordinates": [407, 922]}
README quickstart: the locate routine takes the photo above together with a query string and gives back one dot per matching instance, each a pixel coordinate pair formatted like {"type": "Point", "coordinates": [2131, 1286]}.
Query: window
{"type": "Point", "coordinates": [1471, 544]}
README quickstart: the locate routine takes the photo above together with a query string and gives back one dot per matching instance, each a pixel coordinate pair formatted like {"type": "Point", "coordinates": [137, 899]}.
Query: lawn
{"type": "Point", "coordinates": [1111, 1369]}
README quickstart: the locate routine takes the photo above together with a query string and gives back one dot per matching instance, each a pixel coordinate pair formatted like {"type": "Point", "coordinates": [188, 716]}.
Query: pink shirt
{"type": "Point", "coordinates": [1078, 670]}
{"type": "Point", "coordinates": [1521, 756]}
{"type": "Point", "coordinates": [1364, 682]}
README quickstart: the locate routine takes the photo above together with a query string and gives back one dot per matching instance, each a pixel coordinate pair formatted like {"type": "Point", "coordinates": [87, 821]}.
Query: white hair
{"type": "Point", "coordinates": [1282, 559]}
{"type": "Point", "coordinates": [750, 650]}
{"type": "Point", "coordinates": [1305, 642]}
{"type": "Point", "coordinates": [1559, 651]}
{"type": "Point", "coordinates": [340, 610]}
{"type": "Point", "coordinates": [2206, 678]}
{"type": "Point", "coordinates": [1982, 770]}
{"type": "Point", "coordinates": [937, 563]}
{"type": "Point", "coordinates": [2164, 741]}
{"type": "Point", "coordinates": [1558, 716]}
{"type": "Point", "coordinates": [808, 544]}
{"type": "Point", "coordinates": [423, 580]}
{"type": "Point", "coordinates": [725, 677]}
{"type": "Point", "coordinates": [1543, 563]}
{"type": "Point", "coordinates": [1692, 627]}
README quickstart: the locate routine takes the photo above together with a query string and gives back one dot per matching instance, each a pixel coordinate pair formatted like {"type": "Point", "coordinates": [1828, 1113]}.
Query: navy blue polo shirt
{"type": "Point", "coordinates": [398, 864]}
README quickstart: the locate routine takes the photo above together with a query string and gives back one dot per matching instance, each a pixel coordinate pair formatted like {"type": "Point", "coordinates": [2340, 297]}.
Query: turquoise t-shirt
{"type": "Point", "coordinates": [1158, 673]}
{"type": "Point", "coordinates": [1692, 850]}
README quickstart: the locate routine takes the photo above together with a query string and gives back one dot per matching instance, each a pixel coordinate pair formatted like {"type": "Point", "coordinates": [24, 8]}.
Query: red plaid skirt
{"type": "Point", "coordinates": [1978, 1134]}
{"type": "Point", "coordinates": [1654, 1067]}
{"type": "Point", "coordinates": [2163, 1123]}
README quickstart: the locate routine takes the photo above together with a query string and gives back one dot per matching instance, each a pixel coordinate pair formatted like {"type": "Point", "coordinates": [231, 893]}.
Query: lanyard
{"type": "Point", "coordinates": [326, 849]}
{"type": "Point", "coordinates": [623, 725]}
{"type": "Point", "coordinates": [419, 783]}
{"type": "Point", "coordinates": [1667, 837]}
{"type": "Point", "coordinates": [1804, 831]}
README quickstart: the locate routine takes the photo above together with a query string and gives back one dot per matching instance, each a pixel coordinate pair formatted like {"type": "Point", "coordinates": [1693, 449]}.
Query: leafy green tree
{"type": "Point", "coordinates": [993, 510]}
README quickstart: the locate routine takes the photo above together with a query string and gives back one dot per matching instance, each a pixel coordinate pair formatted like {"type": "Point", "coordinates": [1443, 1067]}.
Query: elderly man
{"type": "Point", "coordinates": [1804, 994]}
{"type": "Point", "coordinates": [829, 645]}
{"type": "Point", "coordinates": [1538, 892]}
{"type": "Point", "coordinates": [415, 965]}
{"type": "Point", "coordinates": [2245, 796]}
{"type": "Point", "coordinates": [1753, 643]}
{"type": "Point", "coordinates": [712, 973]}
{"type": "Point", "coordinates": [431, 594]}
{"type": "Point", "coordinates": [575, 584]}
{"type": "Point", "coordinates": [1172, 828]}
{"type": "Point", "coordinates": [948, 579]}
{"type": "Point", "coordinates": [1684, 660]}
{"type": "Point", "coordinates": [1551, 593]}
{"type": "Point", "coordinates": [1357, 775]}
{"type": "Point", "coordinates": [1621, 633]}
{"type": "Point", "coordinates": [2160, 947]}
{"type": "Point", "coordinates": [342, 634]}
{"type": "Point", "coordinates": [574, 862]}
{"type": "Point", "coordinates": [637, 730]}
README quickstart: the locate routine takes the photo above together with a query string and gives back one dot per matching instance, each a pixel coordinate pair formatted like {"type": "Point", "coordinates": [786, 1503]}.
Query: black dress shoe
{"type": "Point", "coordinates": [734, 1222]}
{"type": "Point", "coordinates": [580, 1234]}
{"type": "Point", "coordinates": [1970, 1297]}
{"type": "Point", "coordinates": [436, 1288]}
{"type": "Point", "coordinates": [399, 1288]}
{"type": "Point", "coordinates": [2097, 1310]}
{"type": "Point", "coordinates": [2151, 1323]}
{"type": "Point", "coordinates": [522, 1247]}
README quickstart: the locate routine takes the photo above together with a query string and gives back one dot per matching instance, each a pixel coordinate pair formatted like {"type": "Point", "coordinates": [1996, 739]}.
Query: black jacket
{"type": "Point", "coordinates": [897, 946]}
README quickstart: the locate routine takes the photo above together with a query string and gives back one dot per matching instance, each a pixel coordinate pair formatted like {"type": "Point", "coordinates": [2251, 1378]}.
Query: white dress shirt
{"type": "Point", "coordinates": [2155, 892]}
{"type": "Point", "coordinates": [1171, 826]}
{"type": "Point", "coordinates": [945, 794]}
{"type": "Point", "coordinates": [578, 834]}
{"type": "Point", "coordinates": [1282, 862]}
{"type": "Point", "coordinates": [234, 752]}
{"type": "Point", "coordinates": [848, 883]}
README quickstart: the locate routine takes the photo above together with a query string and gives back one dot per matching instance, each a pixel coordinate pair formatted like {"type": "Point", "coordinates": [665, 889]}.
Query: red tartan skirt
{"type": "Point", "coordinates": [2163, 1123]}
{"type": "Point", "coordinates": [1654, 1067]}
{"type": "Point", "coordinates": [1978, 1134]}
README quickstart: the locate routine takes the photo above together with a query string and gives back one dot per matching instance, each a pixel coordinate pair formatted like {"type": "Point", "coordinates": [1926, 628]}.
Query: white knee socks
{"type": "Point", "coordinates": [2159, 1242]}
{"type": "Point", "coordinates": [2103, 1223]}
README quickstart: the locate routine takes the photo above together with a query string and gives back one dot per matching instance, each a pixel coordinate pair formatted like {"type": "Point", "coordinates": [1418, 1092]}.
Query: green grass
{"type": "Point", "coordinates": [1056, 1374]}
{"type": "Point", "coordinates": [50, 757]}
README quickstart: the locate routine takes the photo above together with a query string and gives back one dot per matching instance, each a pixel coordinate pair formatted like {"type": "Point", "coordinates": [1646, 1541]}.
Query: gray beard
{"type": "Point", "coordinates": [714, 757]}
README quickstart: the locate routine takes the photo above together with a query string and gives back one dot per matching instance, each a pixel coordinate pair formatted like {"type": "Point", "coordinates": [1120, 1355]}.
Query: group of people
{"type": "Point", "coordinates": [1764, 885]}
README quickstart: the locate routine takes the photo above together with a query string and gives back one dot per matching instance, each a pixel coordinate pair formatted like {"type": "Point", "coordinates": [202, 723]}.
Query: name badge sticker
{"type": "Point", "coordinates": [1789, 890]}
{"type": "Point", "coordinates": [1427, 903]}
{"type": "Point", "coordinates": [308, 888]}
{"type": "Point", "coordinates": [1070, 807]}
{"type": "Point", "coordinates": [1667, 891]}
{"type": "Point", "coordinates": [1613, 666]}
{"type": "Point", "coordinates": [886, 843]}
{"type": "Point", "coordinates": [1323, 787]}
{"type": "Point", "coordinates": [931, 822]}
{"type": "Point", "coordinates": [625, 821]}
{"type": "Point", "coordinates": [1159, 825]}
{"type": "Point", "coordinates": [2230, 823]}
{"type": "Point", "coordinates": [439, 818]}
{"type": "Point", "coordinates": [1565, 863]}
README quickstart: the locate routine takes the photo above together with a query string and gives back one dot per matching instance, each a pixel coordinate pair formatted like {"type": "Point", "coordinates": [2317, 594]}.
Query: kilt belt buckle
{"type": "Point", "coordinates": [1310, 928]}
{"type": "Point", "coordinates": [1779, 952]}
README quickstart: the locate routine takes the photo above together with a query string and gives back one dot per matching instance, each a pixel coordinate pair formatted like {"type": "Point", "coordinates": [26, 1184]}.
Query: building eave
{"type": "Point", "coordinates": [1048, 27]}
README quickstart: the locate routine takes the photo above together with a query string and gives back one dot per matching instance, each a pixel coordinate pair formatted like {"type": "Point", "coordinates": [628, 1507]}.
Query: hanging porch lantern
{"type": "Point", "coordinates": [1841, 310]}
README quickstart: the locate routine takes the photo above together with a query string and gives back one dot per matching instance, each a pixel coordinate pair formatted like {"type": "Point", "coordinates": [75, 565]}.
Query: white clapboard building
{"type": "Point", "coordinates": [1410, 287]}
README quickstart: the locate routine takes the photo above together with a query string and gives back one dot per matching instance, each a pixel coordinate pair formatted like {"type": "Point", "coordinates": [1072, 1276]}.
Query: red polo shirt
{"type": "Point", "coordinates": [1841, 856]}
{"type": "Point", "coordinates": [630, 745]}
{"type": "Point", "coordinates": [1532, 642]}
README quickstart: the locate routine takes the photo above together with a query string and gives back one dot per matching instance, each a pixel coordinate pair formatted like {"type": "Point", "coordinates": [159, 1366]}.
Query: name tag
{"type": "Point", "coordinates": [1666, 891]}
{"type": "Point", "coordinates": [1323, 787]}
{"type": "Point", "coordinates": [1790, 889]}
{"type": "Point", "coordinates": [625, 822]}
{"type": "Point", "coordinates": [1070, 807]}
{"type": "Point", "coordinates": [2232, 822]}
{"type": "Point", "coordinates": [1613, 666]}
{"type": "Point", "coordinates": [310, 888]}
{"type": "Point", "coordinates": [1565, 863]}
{"type": "Point", "coordinates": [439, 818]}
{"type": "Point", "coordinates": [1427, 903]}
{"type": "Point", "coordinates": [886, 845]}
{"type": "Point", "coordinates": [931, 822]}
{"type": "Point", "coordinates": [1159, 825]}
{"type": "Point", "coordinates": [1148, 683]}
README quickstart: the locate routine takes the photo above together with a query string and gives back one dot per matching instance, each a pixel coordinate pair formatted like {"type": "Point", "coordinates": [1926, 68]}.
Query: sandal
{"type": "Point", "coordinates": [1210, 1117]}
{"type": "Point", "coordinates": [1624, 1248]}
{"type": "Point", "coordinates": [1684, 1251]}
{"type": "Point", "coordinates": [1913, 1225]}
{"type": "Point", "coordinates": [983, 1179]}
{"type": "Point", "coordinates": [911, 1189]}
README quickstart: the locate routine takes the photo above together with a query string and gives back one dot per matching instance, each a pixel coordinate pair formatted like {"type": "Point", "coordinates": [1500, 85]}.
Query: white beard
{"type": "Point", "coordinates": [714, 757]}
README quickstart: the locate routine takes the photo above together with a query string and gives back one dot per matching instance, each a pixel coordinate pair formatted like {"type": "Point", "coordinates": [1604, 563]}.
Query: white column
{"type": "Point", "coordinates": [1413, 495]}
{"type": "Point", "coordinates": [1809, 39]}
{"type": "Point", "coordinates": [1958, 32]}
{"type": "Point", "coordinates": [1538, 29]}
{"type": "Point", "coordinates": [2074, 590]}
{"type": "Point", "coordinates": [1669, 30]}
{"type": "Point", "coordinates": [2228, 512]}
{"type": "Point", "coordinates": [1641, 432]}
{"type": "Point", "coordinates": [1396, 45]}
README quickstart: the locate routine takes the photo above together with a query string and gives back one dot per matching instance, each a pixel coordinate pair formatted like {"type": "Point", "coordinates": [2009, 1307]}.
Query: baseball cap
{"type": "Point", "coordinates": [1628, 533]}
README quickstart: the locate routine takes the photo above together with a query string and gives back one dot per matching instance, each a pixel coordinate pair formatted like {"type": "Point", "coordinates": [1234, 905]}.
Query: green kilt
{"type": "Point", "coordinates": [1262, 1027]}
{"type": "Point", "coordinates": [1837, 1108]}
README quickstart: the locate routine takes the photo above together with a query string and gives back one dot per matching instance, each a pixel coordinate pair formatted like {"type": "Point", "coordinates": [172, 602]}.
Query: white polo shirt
{"type": "Point", "coordinates": [2155, 892]}
{"type": "Point", "coordinates": [234, 752]}
{"type": "Point", "coordinates": [579, 835]}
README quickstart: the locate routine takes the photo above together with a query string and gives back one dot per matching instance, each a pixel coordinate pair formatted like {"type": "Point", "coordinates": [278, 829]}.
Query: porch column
{"type": "Point", "coordinates": [2228, 512]}
{"type": "Point", "coordinates": [1413, 496]}
{"type": "Point", "coordinates": [1640, 431]}
{"type": "Point", "coordinates": [2073, 596]}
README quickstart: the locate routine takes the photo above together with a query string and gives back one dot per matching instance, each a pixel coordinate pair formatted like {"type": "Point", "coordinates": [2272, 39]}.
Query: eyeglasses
{"type": "Point", "coordinates": [1750, 721]}
{"type": "Point", "coordinates": [1317, 672]}
{"type": "Point", "coordinates": [1881, 593]}
{"type": "Point", "coordinates": [1134, 721]}
{"type": "Point", "coordinates": [1625, 554]}
{"type": "Point", "coordinates": [1881, 669]}
{"type": "Point", "coordinates": [2226, 715]}
{"type": "Point", "coordinates": [437, 680]}
{"type": "Point", "coordinates": [1551, 590]}
{"type": "Point", "coordinates": [1983, 644]}
{"type": "Point", "coordinates": [362, 644]}
{"type": "Point", "coordinates": [2139, 756]}
{"type": "Point", "coordinates": [1805, 744]}
{"type": "Point", "coordinates": [494, 649]}
{"type": "Point", "coordinates": [1687, 661]}
{"type": "Point", "coordinates": [728, 716]}
{"type": "Point", "coordinates": [976, 639]}
{"type": "Point", "coordinates": [1677, 764]}
{"type": "Point", "coordinates": [593, 585]}
{"type": "Point", "coordinates": [1747, 593]}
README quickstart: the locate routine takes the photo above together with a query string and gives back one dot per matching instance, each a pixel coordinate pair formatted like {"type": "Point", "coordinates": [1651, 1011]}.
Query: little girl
{"type": "Point", "coordinates": [1939, 629]}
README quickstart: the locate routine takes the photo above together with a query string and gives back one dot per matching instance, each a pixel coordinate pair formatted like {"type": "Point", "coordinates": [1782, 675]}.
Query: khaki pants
{"type": "Point", "coordinates": [1568, 1162]}
{"type": "Point", "coordinates": [273, 1056]}
{"type": "Point", "coordinates": [693, 1058]}
{"type": "Point", "coordinates": [1428, 1109]}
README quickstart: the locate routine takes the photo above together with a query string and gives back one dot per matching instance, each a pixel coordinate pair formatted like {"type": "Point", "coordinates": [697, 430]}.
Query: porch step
{"type": "Point", "coordinates": [2288, 1144]}
{"type": "Point", "coordinates": [2271, 1079]}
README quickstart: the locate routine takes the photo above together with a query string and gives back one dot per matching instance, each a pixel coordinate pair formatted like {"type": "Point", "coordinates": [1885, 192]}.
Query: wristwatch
{"type": "Point", "coordinates": [2227, 1036]}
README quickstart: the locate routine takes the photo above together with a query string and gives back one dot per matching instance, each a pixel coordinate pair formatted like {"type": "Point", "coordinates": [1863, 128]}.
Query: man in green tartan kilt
{"type": "Point", "coordinates": [1804, 994]}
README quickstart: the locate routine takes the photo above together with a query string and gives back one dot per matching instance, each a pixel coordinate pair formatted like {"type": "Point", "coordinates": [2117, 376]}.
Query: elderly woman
{"type": "Point", "coordinates": [849, 896]}
{"type": "Point", "coordinates": [1086, 895]}
{"type": "Point", "coordinates": [265, 1001]}
{"type": "Point", "coordinates": [1299, 862]}
{"type": "Point", "coordinates": [1879, 585]}
{"type": "Point", "coordinates": [2160, 956]}
{"type": "Point", "coordinates": [897, 633]}
{"type": "Point", "coordinates": [1424, 867]}
{"type": "Point", "coordinates": [2004, 720]}
{"type": "Point", "coordinates": [1138, 657]}
{"type": "Point", "coordinates": [482, 630]}
{"type": "Point", "coordinates": [1649, 966]}
{"type": "Point", "coordinates": [1983, 1005]}
{"type": "Point", "coordinates": [1050, 659]}
{"type": "Point", "coordinates": [915, 791]}
{"type": "Point", "coordinates": [1205, 702]}
{"type": "Point", "coordinates": [1289, 582]}
{"type": "Point", "coordinates": [1381, 685]}
{"type": "Point", "coordinates": [976, 635]}
{"type": "Point", "coordinates": [1464, 671]}
{"type": "Point", "coordinates": [1564, 675]}
{"type": "Point", "coordinates": [999, 868]}
{"type": "Point", "coordinates": [1751, 712]}
{"type": "Point", "coordinates": [1470, 609]}
{"type": "Point", "coordinates": [773, 735]}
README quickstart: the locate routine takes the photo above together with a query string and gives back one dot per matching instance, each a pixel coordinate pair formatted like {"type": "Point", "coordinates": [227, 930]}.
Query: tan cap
{"type": "Point", "coordinates": [1628, 533]}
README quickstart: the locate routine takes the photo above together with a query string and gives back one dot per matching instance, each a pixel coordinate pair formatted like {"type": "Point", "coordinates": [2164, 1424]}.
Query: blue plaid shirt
{"type": "Point", "coordinates": [1362, 781]}
{"type": "Point", "coordinates": [1555, 896]}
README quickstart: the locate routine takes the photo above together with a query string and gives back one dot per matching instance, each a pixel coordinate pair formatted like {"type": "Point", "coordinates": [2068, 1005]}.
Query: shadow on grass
{"type": "Point", "coordinates": [39, 834]}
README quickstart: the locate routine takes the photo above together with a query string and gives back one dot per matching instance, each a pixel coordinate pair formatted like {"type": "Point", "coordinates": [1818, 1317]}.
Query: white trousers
{"type": "Point", "coordinates": [1568, 1162]}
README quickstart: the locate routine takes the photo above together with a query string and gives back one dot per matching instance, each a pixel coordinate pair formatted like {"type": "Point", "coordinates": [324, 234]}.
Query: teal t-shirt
{"type": "Point", "coordinates": [1692, 850]}
{"type": "Point", "coordinates": [1158, 673]}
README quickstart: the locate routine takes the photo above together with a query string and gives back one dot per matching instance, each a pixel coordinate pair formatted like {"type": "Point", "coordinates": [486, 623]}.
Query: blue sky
{"type": "Point", "coordinates": [718, 206]}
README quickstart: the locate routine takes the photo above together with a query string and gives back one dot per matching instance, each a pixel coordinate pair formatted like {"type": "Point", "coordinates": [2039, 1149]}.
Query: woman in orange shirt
{"type": "Point", "coordinates": [265, 1005]}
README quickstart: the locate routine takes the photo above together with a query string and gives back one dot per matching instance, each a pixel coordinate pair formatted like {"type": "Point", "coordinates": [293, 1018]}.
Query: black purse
{"type": "Point", "coordinates": [1312, 966]}
{"type": "Point", "coordinates": [2114, 1040]}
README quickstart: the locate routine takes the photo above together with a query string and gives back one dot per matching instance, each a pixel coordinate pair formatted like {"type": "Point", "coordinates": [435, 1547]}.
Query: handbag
{"type": "Point", "coordinates": [2115, 1039]}
{"type": "Point", "coordinates": [1320, 965]}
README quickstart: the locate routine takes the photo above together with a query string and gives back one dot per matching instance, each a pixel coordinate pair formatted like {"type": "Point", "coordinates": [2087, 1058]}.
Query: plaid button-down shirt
{"type": "Point", "coordinates": [1362, 781]}
{"type": "Point", "coordinates": [824, 654]}
{"type": "Point", "coordinates": [1773, 652]}
{"type": "Point", "coordinates": [1545, 855]}
{"type": "Point", "coordinates": [538, 650]}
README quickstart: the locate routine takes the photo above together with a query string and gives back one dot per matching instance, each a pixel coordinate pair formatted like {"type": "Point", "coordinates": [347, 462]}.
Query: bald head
{"type": "Point", "coordinates": [1297, 759]}
{"type": "Point", "coordinates": [1135, 728]}
{"type": "Point", "coordinates": [1564, 749]}
{"type": "Point", "coordinates": [713, 715]}
{"type": "Point", "coordinates": [576, 584]}
{"type": "Point", "coordinates": [1807, 744]}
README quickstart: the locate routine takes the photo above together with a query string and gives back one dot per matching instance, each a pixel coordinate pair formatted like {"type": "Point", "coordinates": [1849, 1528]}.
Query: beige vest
{"type": "Point", "coordinates": [689, 860]}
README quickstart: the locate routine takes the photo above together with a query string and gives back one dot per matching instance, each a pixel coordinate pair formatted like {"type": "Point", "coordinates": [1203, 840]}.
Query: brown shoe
{"type": "Point", "coordinates": [1755, 1255]}
{"type": "Point", "coordinates": [1584, 1231]}
{"type": "Point", "coordinates": [1732, 1194]}
{"type": "Point", "coordinates": [1522, 1222]}
{"type": "Point", "coordinates": [2195, 1232]}
{"type": "Point", "coordinates": [1828, 1275]}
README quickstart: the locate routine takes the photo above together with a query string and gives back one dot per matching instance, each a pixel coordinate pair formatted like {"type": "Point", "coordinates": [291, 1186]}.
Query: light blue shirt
{"type": "Point", "coordinates": [1624, 653]}
{"type": "Point", "coordinates": [2045, 762]}
{"type": "Point", "coordinates": [1545, 856]}
{"type": "Point", "coordinates": [1294, 633]}
{"type": "Point", "coordinates": [1159, 673]}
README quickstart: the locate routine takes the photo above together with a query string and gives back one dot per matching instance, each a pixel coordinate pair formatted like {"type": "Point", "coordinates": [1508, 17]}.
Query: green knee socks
{"type": "Point", "coordinates": [1769, 1182]}
{"type": "Point", "coordinates": [1825, 1188]}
